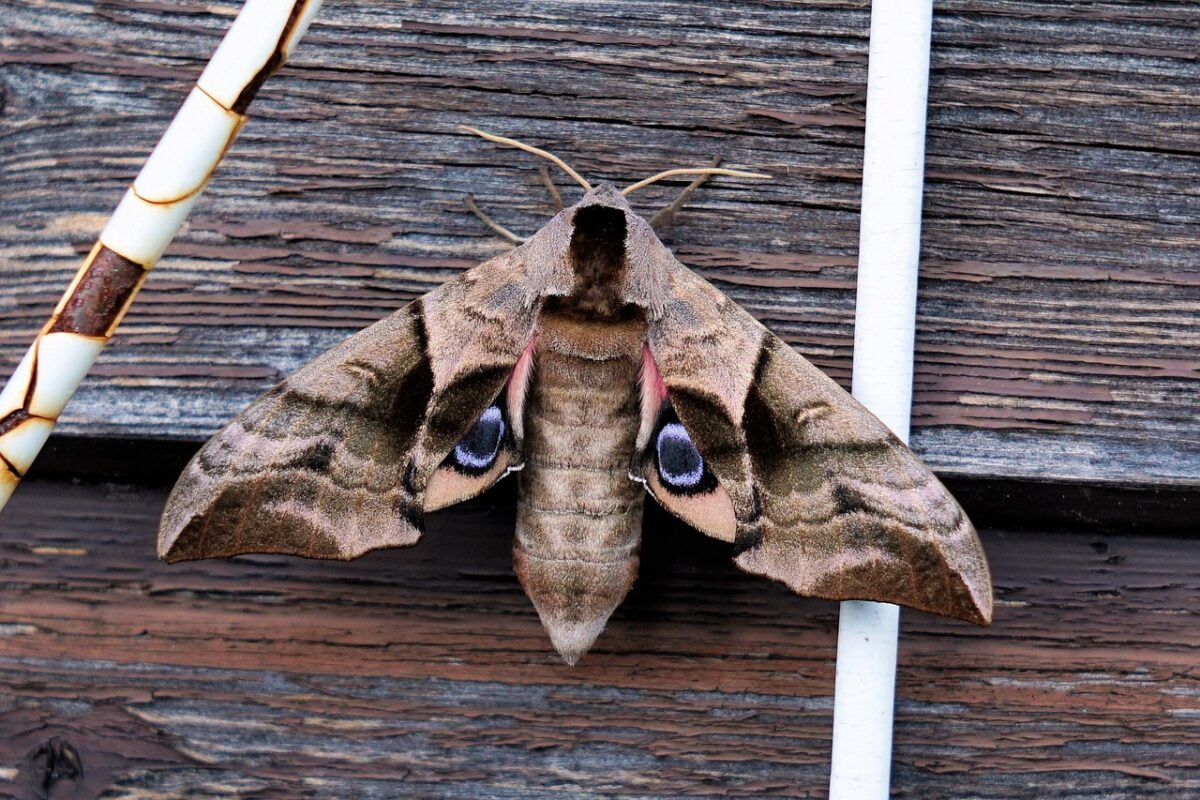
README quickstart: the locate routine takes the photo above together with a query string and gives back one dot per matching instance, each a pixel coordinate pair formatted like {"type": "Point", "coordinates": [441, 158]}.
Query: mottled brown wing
{"type": "Point", "coordinates": [827, 500]}
{"type": "Point", "coordinates": [334, 461]}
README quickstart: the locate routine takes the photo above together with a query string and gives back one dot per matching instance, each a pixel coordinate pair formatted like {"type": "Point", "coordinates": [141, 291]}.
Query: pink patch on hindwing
{"type": "Point", "coordinates": [654, 393]}
{"type": "Point", "coordinates": [518, 386]}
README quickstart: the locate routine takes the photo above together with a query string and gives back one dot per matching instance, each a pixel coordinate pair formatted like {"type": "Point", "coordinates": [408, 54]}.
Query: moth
{"type": "Point", "coordinates": [600, 369]}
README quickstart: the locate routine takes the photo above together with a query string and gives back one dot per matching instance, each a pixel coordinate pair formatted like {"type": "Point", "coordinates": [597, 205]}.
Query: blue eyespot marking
{"type": "Point", "coordinates": [679, 463]}
{"type": "Point", "coordinates": [477, 451]}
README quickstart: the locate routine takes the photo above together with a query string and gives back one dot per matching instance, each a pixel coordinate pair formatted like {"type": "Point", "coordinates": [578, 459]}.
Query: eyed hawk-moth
{"type": "Point", "coordinates": [592, 361]}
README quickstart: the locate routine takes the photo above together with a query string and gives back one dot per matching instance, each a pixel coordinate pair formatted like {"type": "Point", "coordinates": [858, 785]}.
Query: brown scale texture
{"type": "Point", "coordinates": [579, 517]}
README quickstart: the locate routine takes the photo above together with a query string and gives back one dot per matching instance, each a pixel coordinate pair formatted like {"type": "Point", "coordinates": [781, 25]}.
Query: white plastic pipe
{"type": "Point", "coordinates": [885, 319]}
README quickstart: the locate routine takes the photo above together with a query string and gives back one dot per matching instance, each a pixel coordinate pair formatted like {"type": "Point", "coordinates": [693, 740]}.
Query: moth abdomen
{"type": "Point", "coordinates": [579, 515]}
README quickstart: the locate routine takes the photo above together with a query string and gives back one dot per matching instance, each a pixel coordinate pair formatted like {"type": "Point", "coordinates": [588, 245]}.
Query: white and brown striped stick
{"type": "Point", "coordinates": [146, 220]}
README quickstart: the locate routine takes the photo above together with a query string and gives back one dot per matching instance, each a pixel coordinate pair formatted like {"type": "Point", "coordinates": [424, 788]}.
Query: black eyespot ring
{"type": "Point", "coordinates": [477, 451]}
{"type": "Point", "coordinates": [681, 469]}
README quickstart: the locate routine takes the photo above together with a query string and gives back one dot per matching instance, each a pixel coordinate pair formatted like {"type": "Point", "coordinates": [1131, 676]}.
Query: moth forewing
{"type": "Point", "coordinates": [335, 461]}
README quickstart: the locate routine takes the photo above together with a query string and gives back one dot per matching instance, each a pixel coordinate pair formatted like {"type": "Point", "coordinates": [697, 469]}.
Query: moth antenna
{"type": "Point", "coordinates": [555, 197]}
{"type": "Point", "coordinates": [671, 173]}
{"type": "Point", "coordinates": [666, 215]}
{"type": "Point", "coordinates": [491, 223]}
{"type": "Point", "coordinates": [528, 148]}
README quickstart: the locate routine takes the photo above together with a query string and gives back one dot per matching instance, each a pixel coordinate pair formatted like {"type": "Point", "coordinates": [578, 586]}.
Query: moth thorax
{"type": "Point", "coordinates": [597, 254]}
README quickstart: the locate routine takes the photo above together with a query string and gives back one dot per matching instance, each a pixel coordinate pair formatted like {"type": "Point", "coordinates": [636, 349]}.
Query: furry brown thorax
{"type": "Point", "coordinates": [592, 360]}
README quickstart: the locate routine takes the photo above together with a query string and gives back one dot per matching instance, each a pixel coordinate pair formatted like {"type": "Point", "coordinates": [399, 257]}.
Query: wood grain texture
{"type": "Point", "coordinates": [1058, 311]}
{"type": "Point", "coordinates": [425, 672]}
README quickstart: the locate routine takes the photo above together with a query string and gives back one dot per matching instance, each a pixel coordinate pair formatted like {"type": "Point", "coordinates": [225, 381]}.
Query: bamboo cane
{"type": "Point", "coordinates": [144, 223]}
{"type": "Point", "coordinates": [884, 328]}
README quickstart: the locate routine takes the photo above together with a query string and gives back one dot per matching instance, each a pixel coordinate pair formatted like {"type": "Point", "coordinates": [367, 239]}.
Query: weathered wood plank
{"type": "Point", "coordinates": [1058, 326]}
{"type": "Point", "coordinates": [425, 673]}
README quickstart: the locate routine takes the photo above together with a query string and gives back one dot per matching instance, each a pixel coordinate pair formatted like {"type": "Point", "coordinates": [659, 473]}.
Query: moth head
{"type": "Point", "coordinates": [600, 224]}
{"type": "Point", "coordinates": [603, 253]}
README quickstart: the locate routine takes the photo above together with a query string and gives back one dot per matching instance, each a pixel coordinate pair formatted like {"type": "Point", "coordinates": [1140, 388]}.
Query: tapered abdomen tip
{"type": "Point", "coordinates": [574, 598]}
{"type": "Point", "coordinates": [573, 639]}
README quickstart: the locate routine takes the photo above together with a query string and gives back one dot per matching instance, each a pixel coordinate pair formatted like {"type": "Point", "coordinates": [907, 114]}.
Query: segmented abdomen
{"type": "Point", "coordinates": [579, 515]}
